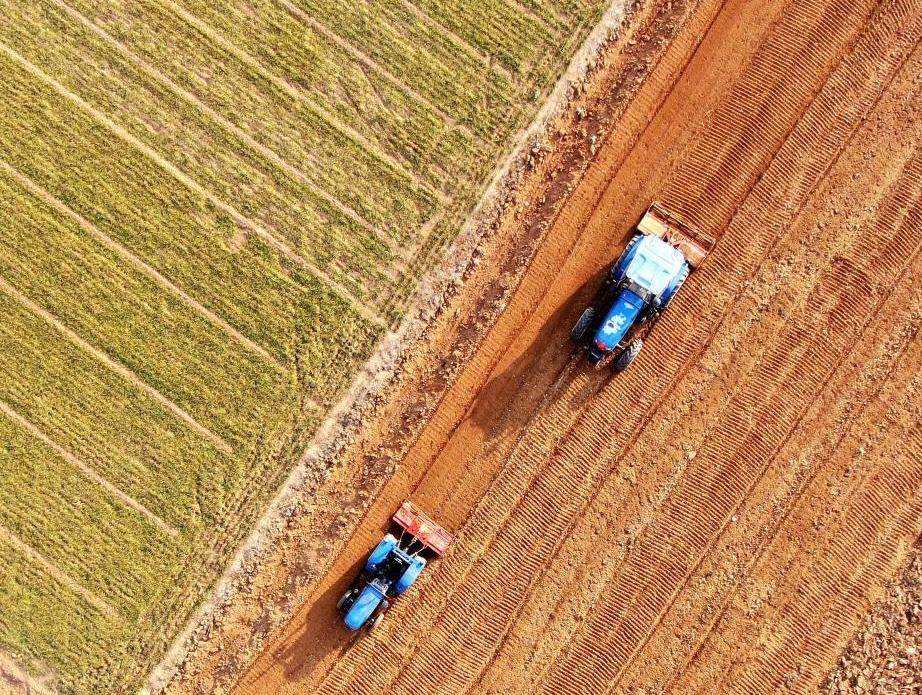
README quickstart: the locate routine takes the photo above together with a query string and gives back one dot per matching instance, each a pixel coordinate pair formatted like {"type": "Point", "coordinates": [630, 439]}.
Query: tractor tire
{"type": "Point", "coordinates": [344, 599]}
{"type": "Point", "coordinates": [628, 355]}
{"type": "Point", "coordinates": [582, 325]}
{"type": "Point", "coordinates": [378, 617]}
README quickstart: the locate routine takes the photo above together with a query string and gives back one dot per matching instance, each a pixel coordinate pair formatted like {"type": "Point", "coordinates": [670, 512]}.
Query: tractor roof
{"type": "Point", "coordinates": [654, 264]}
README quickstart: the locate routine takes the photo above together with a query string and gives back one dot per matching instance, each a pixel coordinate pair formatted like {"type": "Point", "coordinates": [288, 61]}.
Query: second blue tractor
{"type": "Point", "coordinates": [392, 567]}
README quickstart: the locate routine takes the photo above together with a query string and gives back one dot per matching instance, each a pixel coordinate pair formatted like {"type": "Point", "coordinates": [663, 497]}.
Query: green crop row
{"type": "Point", "coordinates": [130, 317]}
{"type": "Point", "coordinates": [112, 184]}
{"type": "Point", "coordinates": [46, 621]}
{"type": "Point", "coordinates": [496, 27]}
{"type": "Point", "coordinates": [218, 160]}
{"type": "Point", "coordinates": [108, 548]}
{"type": "Point", "coordinates": [449, 77]}
{"type": "Point", "coordinates": [563, 15]}
{"type": "Point", "coordinates": [324, 76]}
{"type": "Point", "coordinates": [407, 129]}
{"type": "Point", "coordinates": [108, 423]}
{"type": "Point", "coordinates": [244, 97]}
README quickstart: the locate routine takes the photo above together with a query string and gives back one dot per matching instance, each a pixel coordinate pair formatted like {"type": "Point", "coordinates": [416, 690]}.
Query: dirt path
{"type": "Point", "coordinates": [726, 509]}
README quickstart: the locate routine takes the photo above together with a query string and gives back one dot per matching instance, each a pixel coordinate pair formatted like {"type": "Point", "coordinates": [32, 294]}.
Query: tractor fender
{"type": "Point", "coordinates": [380, 553]}
{"type": "Point", "coordinates": [363, 607]}
{"type": "Point", "coordinates": [409, 575]}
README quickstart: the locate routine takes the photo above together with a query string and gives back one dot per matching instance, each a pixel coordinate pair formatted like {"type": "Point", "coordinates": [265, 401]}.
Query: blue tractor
{"type": "Point", "coordinates": [392, 567]}
{"type": "Point", "coordinates": [639, 287]}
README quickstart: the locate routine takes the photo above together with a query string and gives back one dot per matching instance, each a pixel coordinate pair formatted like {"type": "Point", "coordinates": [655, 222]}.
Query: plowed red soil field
{"type": "Point", "coordinates": [722, 514]}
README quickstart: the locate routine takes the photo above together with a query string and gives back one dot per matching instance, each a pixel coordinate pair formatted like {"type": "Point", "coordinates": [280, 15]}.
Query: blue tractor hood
{"type": "Point", "coordinates": [362, 608]}
{"type": "Point", "coordinates": [618, 320]}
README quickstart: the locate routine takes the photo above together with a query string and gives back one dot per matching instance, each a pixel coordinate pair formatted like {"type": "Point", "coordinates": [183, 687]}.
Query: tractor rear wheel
{"type": "Point", "coordinates": [628, 355]}
{"type": "Point", "coordinates": [344, 599]}
{"type": "Point", "coordinates": [379, 616]}
{"type": "Point", "coordinates": [582, 325]}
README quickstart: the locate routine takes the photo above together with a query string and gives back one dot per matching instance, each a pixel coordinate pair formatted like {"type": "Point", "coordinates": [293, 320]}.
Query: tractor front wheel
{"type": "Point", "coordinates": [582, 325]}
{"type": "Point", "coordinates": [628, 355]}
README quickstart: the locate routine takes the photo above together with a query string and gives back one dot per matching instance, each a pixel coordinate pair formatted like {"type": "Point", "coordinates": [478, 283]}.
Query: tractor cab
{"type": "Point", "coordinates": [652, 264]}
{"type": "Point", "coordinates": [393, 566]}
{"type": "Point", "coordinates": [639, 287]}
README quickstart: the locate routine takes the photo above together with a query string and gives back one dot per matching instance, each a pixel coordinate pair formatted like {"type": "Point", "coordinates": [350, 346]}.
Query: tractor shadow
{"type": "Point", "coordinates": [539, 375]}
{"type": "Point", "coordinates": [324, 632]}
{"type": "Point", "coordinates": [508, 402]}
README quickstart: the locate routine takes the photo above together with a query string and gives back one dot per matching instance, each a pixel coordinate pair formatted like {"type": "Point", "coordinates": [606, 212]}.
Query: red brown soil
{"type": "Point", "coordinates": [721, 515]}
{"type": "Point", "coordinates": [886, 655]}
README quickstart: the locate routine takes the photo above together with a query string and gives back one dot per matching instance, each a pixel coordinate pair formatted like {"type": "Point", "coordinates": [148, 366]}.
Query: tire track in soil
{"type": "Point", "coordinates": [913, 311]}
{"type": "Point", "coordinates": [571, 587]}
{"type": "Point", "coordinates": [468, 645]}
{"type": "Point", "coordinates": [858, 587]}
{"type": "Point", "coordinates": [804, 479]}
{"type": "Point", "coordinates": [679, 639]}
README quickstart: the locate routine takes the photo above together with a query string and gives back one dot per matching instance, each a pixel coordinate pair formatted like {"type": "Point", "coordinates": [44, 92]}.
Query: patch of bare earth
{"type": "Point", "coordinates": [15, 680]}
{"type": "Point", "coordinates": [886, 654]}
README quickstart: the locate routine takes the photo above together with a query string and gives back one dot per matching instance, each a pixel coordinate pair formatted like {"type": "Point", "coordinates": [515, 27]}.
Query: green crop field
{"type": "Point", "coordinates": [210, 212]}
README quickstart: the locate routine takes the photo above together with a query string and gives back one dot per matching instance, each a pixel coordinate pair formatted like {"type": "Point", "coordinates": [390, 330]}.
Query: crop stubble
{"type": "Point", "coordinates": [211, 213]}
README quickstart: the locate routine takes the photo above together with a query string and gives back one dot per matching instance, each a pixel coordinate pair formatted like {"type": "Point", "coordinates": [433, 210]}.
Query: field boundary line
{"type": "Point", "coordinates": [15, 673]}
{"type": "Point", "coordinates": [115, 366]}
{"type": "Point", "coordinates": [86, 469]}
{"type": "Point", "coordinates": [338, 427]}
{"type": "Point", "coordinates": [267, 152]}
{"type": "Point", "coordinates": [366, 312]}
{"type": "Point", "coordinates": [58, 574]}
{"type": "Point", "coordinates": [519, 440]}
{"type": "Point", "coordinates": [595, 207]}
{"type": "Point", "coordinates": [127, 255]}
{"type": "Point", "coordinates": [634, 139]}
{"type": "Point", "coordinates": [214, 35]}
{"type": "Point", "coordinates": [372, 64]}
